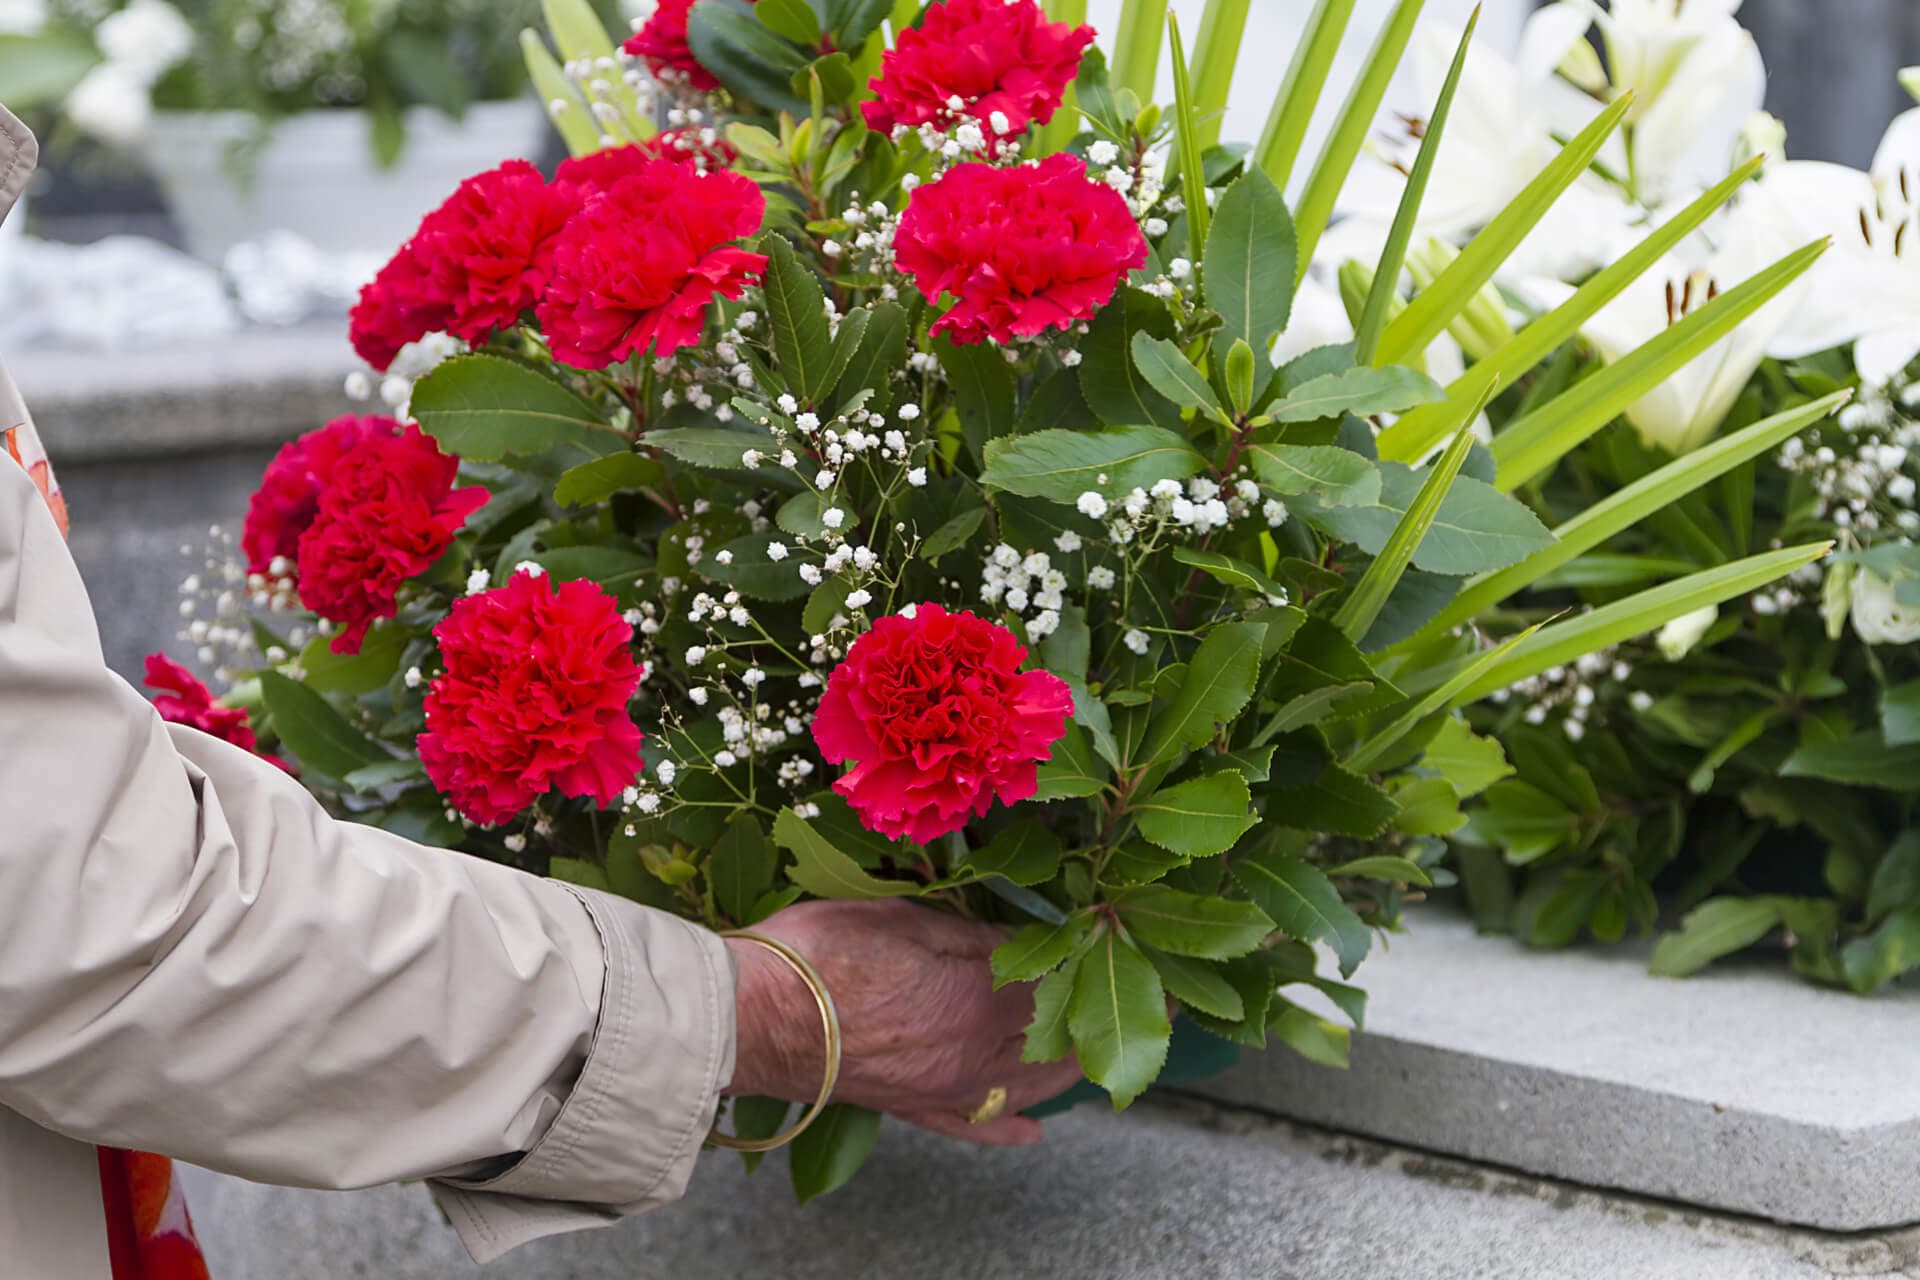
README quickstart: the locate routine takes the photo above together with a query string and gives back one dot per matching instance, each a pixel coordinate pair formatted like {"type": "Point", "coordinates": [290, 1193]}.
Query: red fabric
{"type": "Point", "coordinates": [534, 698]}
{"type": "Point", "coordinates": [149, 1231]}
{"type": "Point", "coordinates": [940, 721]}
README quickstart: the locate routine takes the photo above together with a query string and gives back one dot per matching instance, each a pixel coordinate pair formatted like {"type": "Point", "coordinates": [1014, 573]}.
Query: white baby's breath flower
{"type": "Point", "coordinates": [413, 678]}
{"type": "Point", "coordinates": [1137, 641]}
{"type": "Point", "coordinates": [776, 551]}
{"type": "Point", "coordinates": [516, 843]}
{"type": "Point", "coordinates": [859, 599]}
{"type": "Point", "coordinates": [788, 405]}
{"type": "Point", "coordinates": [1100, 578]}
{"type": "Point", "coordinates": [917, 477]}
{"type": "Point", "coordinates": [810, 574]}
{"type": "Point", "coordinates": [1068, 541]}
{"type": "Point", "coordinates": [1092, 505]}
{"type": "Point", "coordinates": [833, 517]}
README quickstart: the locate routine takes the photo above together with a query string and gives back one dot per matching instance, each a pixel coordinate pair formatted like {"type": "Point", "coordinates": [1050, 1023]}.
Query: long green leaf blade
{"type": "Point", "coordinates": [1299, 93]}
{"type": "Point", "coordinates": [1430, 312]}
{"type": "Point", "coordinates": [1216, 51]}
{"type": "Point", "coordinates": [1626, 508]}
{"type": "Point", "coordinates": [1534, 443]}
{"type": "Point", "coordinates": [1416, 433]}
{"type": "Point", "coordinates": [1393, 258]}
{"type": "Point", "coordinates": [1638, 614]}
{"type": "Point", "coordinates": [1193, 175]}
{"type": "Point", "coordinates": [1136, 47]}
{"type": "Point", "coordinates": [558, 96]}
{"type": "Point", "coordinates": [1350, 130]}
{"type": "Point", "coordinates": [1444, 696]}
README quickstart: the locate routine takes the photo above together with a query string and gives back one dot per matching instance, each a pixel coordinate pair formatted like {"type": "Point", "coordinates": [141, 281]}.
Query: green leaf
{"type": "Point", "coordinates": [1715, 928]}
{"type": "Point", "coordinates": [1235, 573]}
{"type": "Point", "coordinates": [846, 344]}
{"type": "Point", "coordinates": [1383, 867]}
{"type": "Point", "coordinates": [984, 390]}
{"type": "Point", "coordinates": [1640, 614]}
{"type": "Point", "coordinates": [551, 85]}
{"type": "Point", "coordinates": [745, 55]}
{"type": "Point", "coordinates": [1218, 686]}
{"type": "Point", "coordinates": [310, 728]}
{"type": "Point", "coordinates": [1193, 173]}
{"type": "Point", "coordinates": [1072, 771]}
{"type": "Point", "coordinates": [588, 875]}
{"type": "Point", "coordinates": [1062, 465]}
{"type": "Point", "coordinates": [1900, 714]}
{"type": "Point", "coordinates": [1369, 596]}
{"type": "Point", "coordinates": [1048, 1037]}
{"type": "Point", "coordinates": [1136, 47]}
{"type": "Point", "coordinates": [386, 774]}
{"type": "Point", "coordinates": [1250, 265]}
{"type": "Point", "coordinates": [1310, 1036]}
{"type": "Point", "coordinates": [1198, 985]}
{"type": "Point", "coordinates": [485, 408]}
{"type": "Point", "coordinates": [1118, 1017]}
{"type": "Point", "coordinates": [1393, 258]}
{"type": "Point", "coordinates": [952, 535]}
{"type": "Point", "coordinates": [742, 866]}
{"type": "Point", "coordinates": [1884, 954]}
{"type": "Point", "coordinates": [1199, 818]}
{"type": "Point", "coordinates": [41, 68]}
{"type": "Point", "coordinates": [1478, 528]}
{"type": "Point", "coordinates": [1621, 510]}
{"type": "Point", "coordinates": [1859, 760]}
{"type": "Point", "coordinates": [1349, 133]}
{"type": "Point", "coordinates": [758, 575]}
{"type": "Point", "coordinates": [1338, 477]}
{"type": "Point", "coordinates": [882, 351]}
{"type": "Point", "coordinates": [1303, 902]}
{"type": "Point", "coordinates": [1361, 392]}
{"type": "Point", "coordinates": [1188, 924]}
{"type": "Point", "coordinates": [824, 871]}
{"type": "Point", "coordinates": [1298, 95]}
{"type": "Point", "coordinates": [832, 1148]}
{"type": "Point", "coordinates": [1896, 881]}
{"type": "Point", "coordinates": [1468, 762]}
{"type": "Point", "coordinates": [797, 316]}
{"type": "Point", "coordinates": [1338, 801]}
{"type": "Point", "coordinates": [828, 600]}
{"type": "Point", "coordinates": [1537, 440]}
{"type": "Point", "coordinates": [1027, 853]}
{"type": "Point", "coordinates": [757, 1118]}
{"type": "Point", "coordinates": [1420, 430]}
{"type": "Point", "coordinates": [1039, 949]}
{"type": "Point", "coordinates": [608, 567]}
{"type": "Point", "coordinates": [600, 479]}
{"type": "Point", "coordinates": [794, 19]}
{"type": "Point", "coordinates": [713, 448]}
{"type": "Point", "coordinates": [1110, 382]}
{"type": "Point", "coordinates": [1168, 371]}
{"type": "Point", "coordinates": [1414, 329]}
{"type": "Point", "coordinates": [359, 673]}
{"type": "Point", "coordinates": [1524, 821]}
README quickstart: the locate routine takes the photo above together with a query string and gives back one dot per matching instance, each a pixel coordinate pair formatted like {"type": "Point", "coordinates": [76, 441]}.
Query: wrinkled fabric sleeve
{"type": "Point", "coordinates": [196, 959]}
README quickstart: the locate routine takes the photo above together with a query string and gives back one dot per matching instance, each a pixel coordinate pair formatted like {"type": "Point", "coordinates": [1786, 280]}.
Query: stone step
{"type": "Point", "coordinates": [1743, 1088]}
{"type": "Point", "coordinates": [1174, 1187]}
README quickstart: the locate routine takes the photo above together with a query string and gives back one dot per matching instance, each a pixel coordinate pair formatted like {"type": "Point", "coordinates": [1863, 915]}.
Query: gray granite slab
{"type": "Point", "coordinates": [1172, 1188]}
{"type": "Point", "coordinates": [1743, 1088]}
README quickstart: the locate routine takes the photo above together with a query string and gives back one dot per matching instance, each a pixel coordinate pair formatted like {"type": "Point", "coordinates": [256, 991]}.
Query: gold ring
{"type": "Point", "coordinates": [989, 1111]}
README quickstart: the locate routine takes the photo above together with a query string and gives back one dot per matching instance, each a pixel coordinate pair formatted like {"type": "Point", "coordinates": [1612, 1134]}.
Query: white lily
{"type": "Point", "coordinates": [1500, 134]}
{"type": "Point", "coordinates": [1867, 291]}
{"type": "Point", "coordinates": [1696, 76]}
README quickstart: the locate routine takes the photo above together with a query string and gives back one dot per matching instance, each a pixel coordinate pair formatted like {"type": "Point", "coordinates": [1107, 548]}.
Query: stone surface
{"type": "Point", "coordinates": [1742, 1088]}
{"type": "Point", "coordinates": [1172, 1188]}
{"type": "Point", "coordinates": [261, 386]}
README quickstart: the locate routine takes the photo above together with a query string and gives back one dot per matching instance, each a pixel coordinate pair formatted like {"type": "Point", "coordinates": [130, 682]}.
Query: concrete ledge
{"type": "Point", "coordinates": [258, 387]}
{"type": "Point", "coordinates": [1743, 1088]}
{"type": "Point", "coordinates": [1171, 1188]}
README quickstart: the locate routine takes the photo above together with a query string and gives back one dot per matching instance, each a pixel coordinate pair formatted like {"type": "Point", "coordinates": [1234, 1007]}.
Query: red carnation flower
{"type": "Point", "coordinates": [940, 721]}
{"type": "Point", "coordinates": [636, 268]}
{"type": "Point", "coordinates": [389, 510]}
{"type": "Point", "coordinates": [995, 56]}
{"type": "Point", "coordinates": [183, 699]}
{"type": "Point", "coordinates": [476, 263]}
{"type": "Point", "coordinates": [662, 43]}
{"type": "Point", "coordinates": [534, 698]}
{"type": "Point", "coordinates": [704, 149]}
{"type": "Point", "coordinates": [1024, 250]}
{"type": "Point", "coordinates": [289, 493]}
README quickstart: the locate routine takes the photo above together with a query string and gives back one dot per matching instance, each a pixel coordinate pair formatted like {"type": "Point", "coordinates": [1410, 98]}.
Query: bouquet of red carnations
{"type": "Point", "coordinates": [891, 482]}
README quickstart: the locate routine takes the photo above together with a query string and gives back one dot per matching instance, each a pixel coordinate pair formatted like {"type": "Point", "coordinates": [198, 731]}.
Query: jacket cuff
{"type": "Point", "coordinates": [626, 1138]}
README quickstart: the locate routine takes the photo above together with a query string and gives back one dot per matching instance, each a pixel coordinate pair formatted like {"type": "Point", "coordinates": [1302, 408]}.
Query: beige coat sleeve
{"type": "Point", "coordinates": [195, 959]}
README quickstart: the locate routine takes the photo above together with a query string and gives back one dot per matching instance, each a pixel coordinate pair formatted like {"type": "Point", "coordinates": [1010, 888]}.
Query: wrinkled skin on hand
{"type": "Point", "coordinates": [925, 1035]}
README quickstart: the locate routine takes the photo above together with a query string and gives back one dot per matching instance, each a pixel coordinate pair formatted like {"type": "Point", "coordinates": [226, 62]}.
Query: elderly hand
{"type": "Point", "coordinates": [925, 1035]}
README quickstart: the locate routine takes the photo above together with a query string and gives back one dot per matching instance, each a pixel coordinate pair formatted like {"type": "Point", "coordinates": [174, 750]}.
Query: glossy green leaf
{"type": "Point", "coordinates": [1859, 760]}
{"type": "Point", "coordinates": [1187, 143]}
{"type": "Point", "coordinates": [1338, 477]}
{"type": "Point", "coordinates": [1889, 951]}
{"type": "Point", "coordinates": [797, 318]}
{"type": "Point", "coordinates": [1361, 392]}
{"type": "Point", "coordinates": [1299, 92]}
{"type": "Point", "coordinates": [1717, 927]}
{"type": "Point", "coordinates": [1062, 465]}
{"type": "Point", "coordinates": [742, 866]}
{"type": "Point", "coordinates": [600, 479]}
{"type": "Point", "coordinates": [713, 448]}
{"type": "Point", "coordinates": [1369, 595]}
{"type": "Point", "coordinates": [1118, 1017]}
{"type": "Point", "coordinates": [832, 1149]}
{"type": "Point", "coordinates": [1199, 818]}
{"type": "Point", "coordinates": [1197, 984]}
{"type": "Point", "coordinates": [1216, 50]}
{"type": "Point", "coordinates": [1302, 901]}
{"type": "Point", "coordinates": [1136, 47]}
{"type": "Point", "coordinates": [1219, 682]}
{"type": "Point", "coordinates": [1048, 1036]}
{"type": "Point", "coordinates": [486, 408]}
{"type": "Point", "coordinates": [1110, 383]}
{"type": "Point", "coordinates": [1383, 867]}
{"type": "Point", "coordinates": [1039, 949]}
{"type": "Point", "coordinates": [1477, 529]}
{"type": "Point", "coordinates": [1248, 270]}
{"type": "Point", "coordinates": [1188, 924]}
{"type": "Point", "coordinates": [1309, 1035]}
{"type": "Point", "coordinates": [1168, 371]}
{"type": "Point", "coordinates": [825, 872]}
{"type": "Point", "coordinates": [317, 734]}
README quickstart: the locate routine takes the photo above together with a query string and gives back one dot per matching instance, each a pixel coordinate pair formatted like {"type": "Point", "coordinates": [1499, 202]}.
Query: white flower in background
{"type": "Point", "coordinates": [22, 17]}
{"type": "Point", "coordinates": [1499, 136]}
{"type": "Point", "coordinates": [1867, 290]}
{"type": "Point", "coordinates": [110, 103]}
{"type": "Point", "coordinates": [1910, 81]}
{"type": "Point", "coordinates": [1696, 76]}
{"type": "Point", "coordinates": [148, 37]}
{"type": "Point", "coordinates": [1878, 618]}
{"type": "Point", "coordinates": [1762, 135]}
{"type": "Point", "coordinates": [1677, 639]}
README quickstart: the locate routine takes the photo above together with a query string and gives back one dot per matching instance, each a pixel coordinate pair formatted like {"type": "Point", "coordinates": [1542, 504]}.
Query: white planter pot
{"type": "Point", "coordinates": [315, 174]}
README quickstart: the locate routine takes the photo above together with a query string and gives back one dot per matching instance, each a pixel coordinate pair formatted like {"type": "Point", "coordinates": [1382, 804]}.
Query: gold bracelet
{"type": "Point", "coordinates": [829, 1024]}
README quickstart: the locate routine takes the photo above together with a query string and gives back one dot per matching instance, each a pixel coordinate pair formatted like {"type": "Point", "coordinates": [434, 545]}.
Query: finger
{"type": "Point", "coordinates": [1005, 1131]}
{"type": "Point", "coordinates": [1036, 1082]}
